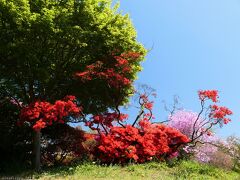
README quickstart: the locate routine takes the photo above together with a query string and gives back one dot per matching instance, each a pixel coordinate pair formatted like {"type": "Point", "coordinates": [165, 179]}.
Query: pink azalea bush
{"type": "Point", "coordinates": [205, 152]}
{"type": "Point", "coordinates": [184, 121]}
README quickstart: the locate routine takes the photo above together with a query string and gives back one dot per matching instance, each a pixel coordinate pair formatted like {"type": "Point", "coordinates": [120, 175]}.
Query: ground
{"type": "Point", "coordinates": [90, 171]}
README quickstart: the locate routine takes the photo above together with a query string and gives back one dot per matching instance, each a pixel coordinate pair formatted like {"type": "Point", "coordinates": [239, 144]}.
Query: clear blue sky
{"type": "Point", "coordinates": [196, 45]}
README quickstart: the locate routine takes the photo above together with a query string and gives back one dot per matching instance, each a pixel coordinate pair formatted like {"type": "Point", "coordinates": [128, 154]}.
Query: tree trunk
{"type": "Point", "coordinates": [37, 152]}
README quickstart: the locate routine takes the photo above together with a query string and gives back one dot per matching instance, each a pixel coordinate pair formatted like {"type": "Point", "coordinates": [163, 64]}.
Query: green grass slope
{"type": "Point", "coordinates": [185, 170]}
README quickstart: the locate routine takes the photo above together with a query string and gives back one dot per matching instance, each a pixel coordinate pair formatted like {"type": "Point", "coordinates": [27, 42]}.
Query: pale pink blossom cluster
{"type": "Point", "coordinates": [187, 122]}
{"type": "Point", "coordinates": [204, 152]}
{"type": "Point", "coordinates": [184, 121]}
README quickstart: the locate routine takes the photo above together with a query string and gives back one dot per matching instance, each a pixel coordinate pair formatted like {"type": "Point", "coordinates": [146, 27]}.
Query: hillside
{"type": "Point", "coordinates": [153, 170]}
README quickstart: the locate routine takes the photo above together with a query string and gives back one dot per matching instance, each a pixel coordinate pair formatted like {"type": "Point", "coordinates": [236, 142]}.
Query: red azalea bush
{"type": "Point", "coordinates": [139, 144]}
{"type": "Point", "coordinates": [117, 72]}
{"type": "Point", "coordinates": [41, 113]}
{"type": "Point", "coordinates": [119, 142]}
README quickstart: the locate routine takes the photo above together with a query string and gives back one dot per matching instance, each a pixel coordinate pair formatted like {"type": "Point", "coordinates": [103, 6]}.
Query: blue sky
{"type": "Point", "coordinates": [196, 45]}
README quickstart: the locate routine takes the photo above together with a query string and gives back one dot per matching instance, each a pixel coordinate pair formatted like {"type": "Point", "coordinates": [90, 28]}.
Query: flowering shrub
{"type": "Point", "coordinates": [205, 152]}
{"type": "Point", "coordinates": [105, 120]}
{"type": "Point", "coordinates": [117, 73]}
{"type": "Point", "coordinates": [222, 160]}
{"type": "Point", "coordinates": [119, 142]}
{"type": "Point", "coordinates": [123, 144]}
{"type": "Point", "coordinates": [184, 121]}
{"type": "Point", "coordinates": [198, 126]}
{"type": "Point", "coordinates": [231, 147]}
{"type": "Point", "coordinates": [41, 113]}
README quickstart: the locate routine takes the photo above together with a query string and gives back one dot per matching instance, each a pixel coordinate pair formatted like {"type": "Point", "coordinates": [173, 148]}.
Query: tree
{"type": "Point", "coordinates": [44, 43]}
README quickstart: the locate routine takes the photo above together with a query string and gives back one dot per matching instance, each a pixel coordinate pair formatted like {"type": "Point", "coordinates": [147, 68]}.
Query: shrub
{"type": "Point", "coordinates": [15, 146]}
{"type": "Point", "coordinates": [198, 126]}
{"type": "Point", "coordinates": [222, 160]}
{"type": "Point", "coordinates": [184, 121]}
{"type": "Point", "coordinates": [126, 144]}
{"type": "Point", "coordinates": [232, 148]}
{"type": "Point", "coordinates": [41, 114]}
{"type": "Point", "coordinates": [62, 144]}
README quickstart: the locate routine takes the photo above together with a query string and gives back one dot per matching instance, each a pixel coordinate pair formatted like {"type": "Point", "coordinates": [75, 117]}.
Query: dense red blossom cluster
{"type": "Point", "coordinates": [117, 75]}
{"type": "Point", "coordinates": [141, 144]}
{"type": "Point", "coordinates": [220, 113]}
{"type": "Point", "coordinates": [210, 94]}
{"type": "Point", "coordinates": [106, 119]}
{"type": "Point", "coordinates": [41, 113]}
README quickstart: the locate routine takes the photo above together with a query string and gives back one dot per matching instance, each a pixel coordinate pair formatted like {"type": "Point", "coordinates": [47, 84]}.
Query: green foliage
{"type": "Point", "coordinates": [44, 42]}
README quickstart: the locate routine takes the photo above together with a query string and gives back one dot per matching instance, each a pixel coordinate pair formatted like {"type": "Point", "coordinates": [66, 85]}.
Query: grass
{"type": "Point", "coordinates": [153, 170]}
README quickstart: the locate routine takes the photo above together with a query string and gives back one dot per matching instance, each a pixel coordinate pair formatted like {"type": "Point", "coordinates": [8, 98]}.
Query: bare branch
{"type": "Point", "coordinates": [199, 114]}
{"type": "Point", "coordinates": [119, 114]}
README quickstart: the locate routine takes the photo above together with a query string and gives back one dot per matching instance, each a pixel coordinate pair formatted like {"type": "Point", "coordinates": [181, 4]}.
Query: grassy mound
{"type": "Point", "coordinates": [152, 170]}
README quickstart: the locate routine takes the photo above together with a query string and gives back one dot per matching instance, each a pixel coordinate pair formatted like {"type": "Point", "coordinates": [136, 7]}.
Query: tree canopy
{"type": "Point", "coordinates": [43, 43]}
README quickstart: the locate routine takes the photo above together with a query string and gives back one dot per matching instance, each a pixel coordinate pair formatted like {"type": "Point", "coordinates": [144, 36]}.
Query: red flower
{"type": "Point", "coordinates": [148, 105]}
{"type": "Point", "coordinates": [49, 113]}
{"type": "Point", "coordinates": [70, 98]}
{"type": "Point", "coordinates": [116, 74]}
{"type": "Point", "coordinates": [39, 125]}
{"type": "Point", "coordinates": [210, 94]}
{"type": "Point", "coordinates": [122, 144]}
{"type": "Point", "coordinates": [219, 113]}
{"type": "Point", "coordinates": [123, 117]}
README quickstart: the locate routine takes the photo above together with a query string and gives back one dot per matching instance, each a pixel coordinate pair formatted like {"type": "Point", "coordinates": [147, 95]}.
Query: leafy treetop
{"type": "Point", "coordinates": [44, 43]}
